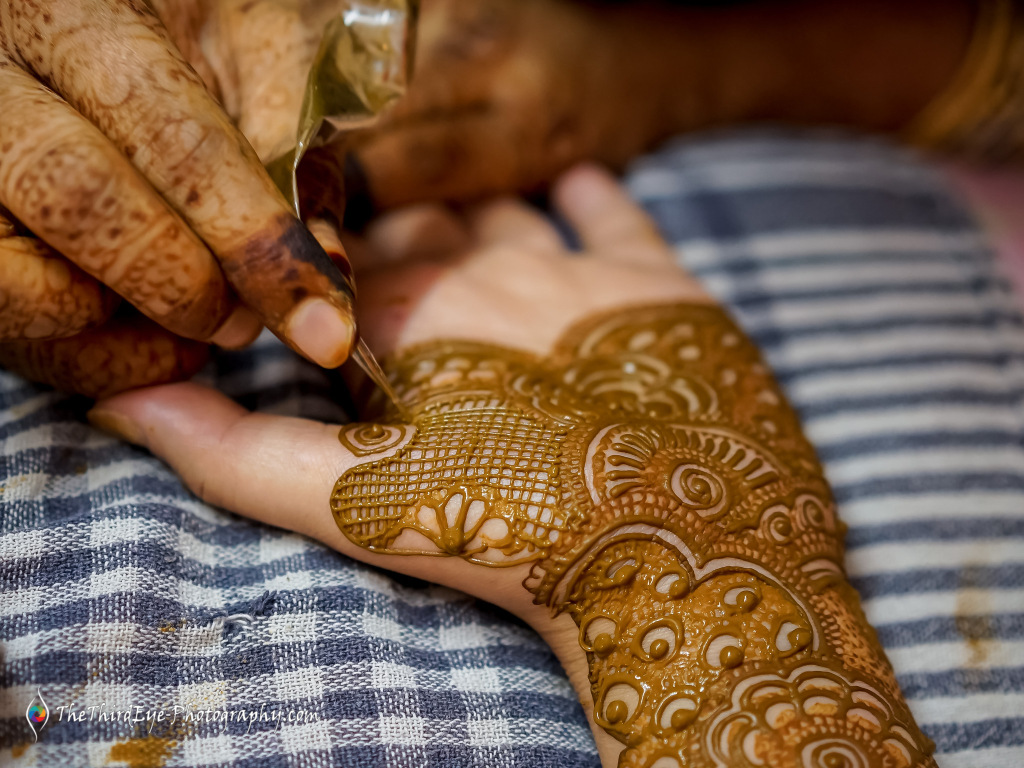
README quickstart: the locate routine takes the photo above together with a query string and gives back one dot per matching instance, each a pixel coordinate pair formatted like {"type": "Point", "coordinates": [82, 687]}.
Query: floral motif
{"type": "Point", "coordinates": [652, 472]}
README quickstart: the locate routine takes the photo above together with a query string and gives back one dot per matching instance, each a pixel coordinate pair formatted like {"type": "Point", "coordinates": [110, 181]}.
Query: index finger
{"type": "Point", "coordinates": [156, 110]}
{"type": "Point", "coordinates": [608, 222]}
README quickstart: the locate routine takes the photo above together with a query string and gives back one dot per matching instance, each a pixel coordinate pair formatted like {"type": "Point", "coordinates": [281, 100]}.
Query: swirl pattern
{"type": "Point", "coordinates": [699, 489]}
{"type": "Point", "coordinates": [652, 473]}
{"type": "Point", "coordinates": [370, 439]}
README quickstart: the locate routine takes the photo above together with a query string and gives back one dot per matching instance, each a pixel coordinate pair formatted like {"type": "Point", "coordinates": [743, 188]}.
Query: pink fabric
{"type": "Point", "coordinates": [998, 199]}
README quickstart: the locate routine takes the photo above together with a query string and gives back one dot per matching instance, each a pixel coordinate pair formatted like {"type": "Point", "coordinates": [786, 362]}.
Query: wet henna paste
{"type": "Point", "coordinates": [653, 474]}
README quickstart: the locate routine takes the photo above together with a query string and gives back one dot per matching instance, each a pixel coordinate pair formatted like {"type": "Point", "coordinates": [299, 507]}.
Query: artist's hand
{"type": "Point", "coordinates": [121, 177]}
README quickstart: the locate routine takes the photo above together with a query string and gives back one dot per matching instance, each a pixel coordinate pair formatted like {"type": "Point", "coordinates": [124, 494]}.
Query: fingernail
{"type": "Point", "coordinates": [240, 329]}
{"type": "Point", "coordinates": [321, 331]}
{"type": "Point", "coordinates": [117, 425]}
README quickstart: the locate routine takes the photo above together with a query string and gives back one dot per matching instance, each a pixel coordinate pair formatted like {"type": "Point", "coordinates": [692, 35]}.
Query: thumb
{"type": "Point", "coordinates": [274, 469]}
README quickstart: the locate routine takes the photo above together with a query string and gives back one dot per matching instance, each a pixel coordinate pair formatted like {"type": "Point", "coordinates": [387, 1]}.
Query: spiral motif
{"type": "Point", "coordinates": [651, 472]}
{"type": "Point", "coordinates": [366, 439]}
{"type": "Point", "coordinates": [699, 489]}
{"type": "Point", "coordinates": [812, 511]}
{"type": "Point", "coordinates": [833, 753]}
{"type": "Point", "coordinates": [780, 527]}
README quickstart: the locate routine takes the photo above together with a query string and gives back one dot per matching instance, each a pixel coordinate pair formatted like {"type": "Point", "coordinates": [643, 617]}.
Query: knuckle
{"type": "Point", "coordinates": [62, 187]}
{"type": "Point", "coordinates": [41, 295]}
{"type": "Point", "coordinates": [179, 150]}
{"type": "Point", "coordinates": [185, 297]}
{"type": "Point", "coordinates": [181, 141]}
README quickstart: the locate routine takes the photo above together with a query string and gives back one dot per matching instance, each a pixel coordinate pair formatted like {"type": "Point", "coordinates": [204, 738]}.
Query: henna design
{"type": "Point", "coordinates": [43, 295]}
{"type": "Point", "coordinates": [125, 353]}
{"type": "Point", "coordinates": [653, 474]}
{"type": "Point", "coordinates": [374, 439]}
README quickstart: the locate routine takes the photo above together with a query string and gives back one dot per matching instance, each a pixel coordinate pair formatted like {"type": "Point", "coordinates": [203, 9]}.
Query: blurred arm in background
{"type": "Point", "coordinates": [510, 92]}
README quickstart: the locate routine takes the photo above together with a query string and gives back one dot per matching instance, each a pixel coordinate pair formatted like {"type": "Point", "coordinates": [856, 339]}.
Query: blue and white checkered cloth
{"type": "Point", "coordinates": [874, 297]}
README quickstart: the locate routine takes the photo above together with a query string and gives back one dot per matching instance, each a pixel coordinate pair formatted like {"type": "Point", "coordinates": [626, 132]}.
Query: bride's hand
{"type": "Point", "coordinates": [597, 448]}
{"type": "Point", "coordinates": [500, 275]}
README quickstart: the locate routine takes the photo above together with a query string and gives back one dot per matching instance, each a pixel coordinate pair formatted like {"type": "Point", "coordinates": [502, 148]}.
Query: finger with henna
{"type": "Point", "coordinates": [158, 113]}
{"type": "Point", "coordinates": [126, 353]}
{"type": "Point", "coordinates": [45, 296]}
{"type": "Point", "coordinates": [70, 186]}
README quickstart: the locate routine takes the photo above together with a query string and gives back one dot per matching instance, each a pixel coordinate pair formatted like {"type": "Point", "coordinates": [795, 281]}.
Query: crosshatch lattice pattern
{"type": "Point", "coordinates": [530, 491]}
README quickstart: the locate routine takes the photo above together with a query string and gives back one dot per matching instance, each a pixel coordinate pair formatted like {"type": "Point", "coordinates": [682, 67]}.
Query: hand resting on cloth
{"type": "Point", "coordinates": [596, 447]}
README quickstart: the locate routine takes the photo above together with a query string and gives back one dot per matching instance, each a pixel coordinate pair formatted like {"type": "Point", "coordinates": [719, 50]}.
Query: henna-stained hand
{"type": "Point", "coordinates": [614, 450]}
{"type": "Point", "coordinates": [117, 157]}
{"type": "Point", "coordinates": [509, 93]}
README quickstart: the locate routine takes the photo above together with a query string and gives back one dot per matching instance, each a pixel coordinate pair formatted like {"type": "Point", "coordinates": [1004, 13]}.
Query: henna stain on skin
{"type": "Point", "coordinates": [140, 178]}
{"type": "Point", "coordinates": [653, 474]}
{"type": "Point", "coordinates": [44, 296]}
{"type": "Point", "coordinates": [282, 265]}
{"type": "Point", "coordinates": [69, 186]}
{"type": "Point", "coordinates": [299, 243]}
{"type": "Point", "coordinates": [125, 353]}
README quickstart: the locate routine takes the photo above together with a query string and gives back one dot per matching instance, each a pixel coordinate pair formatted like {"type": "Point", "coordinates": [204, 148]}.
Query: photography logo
{"type": "Point", "coordinates": [37, 714]}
